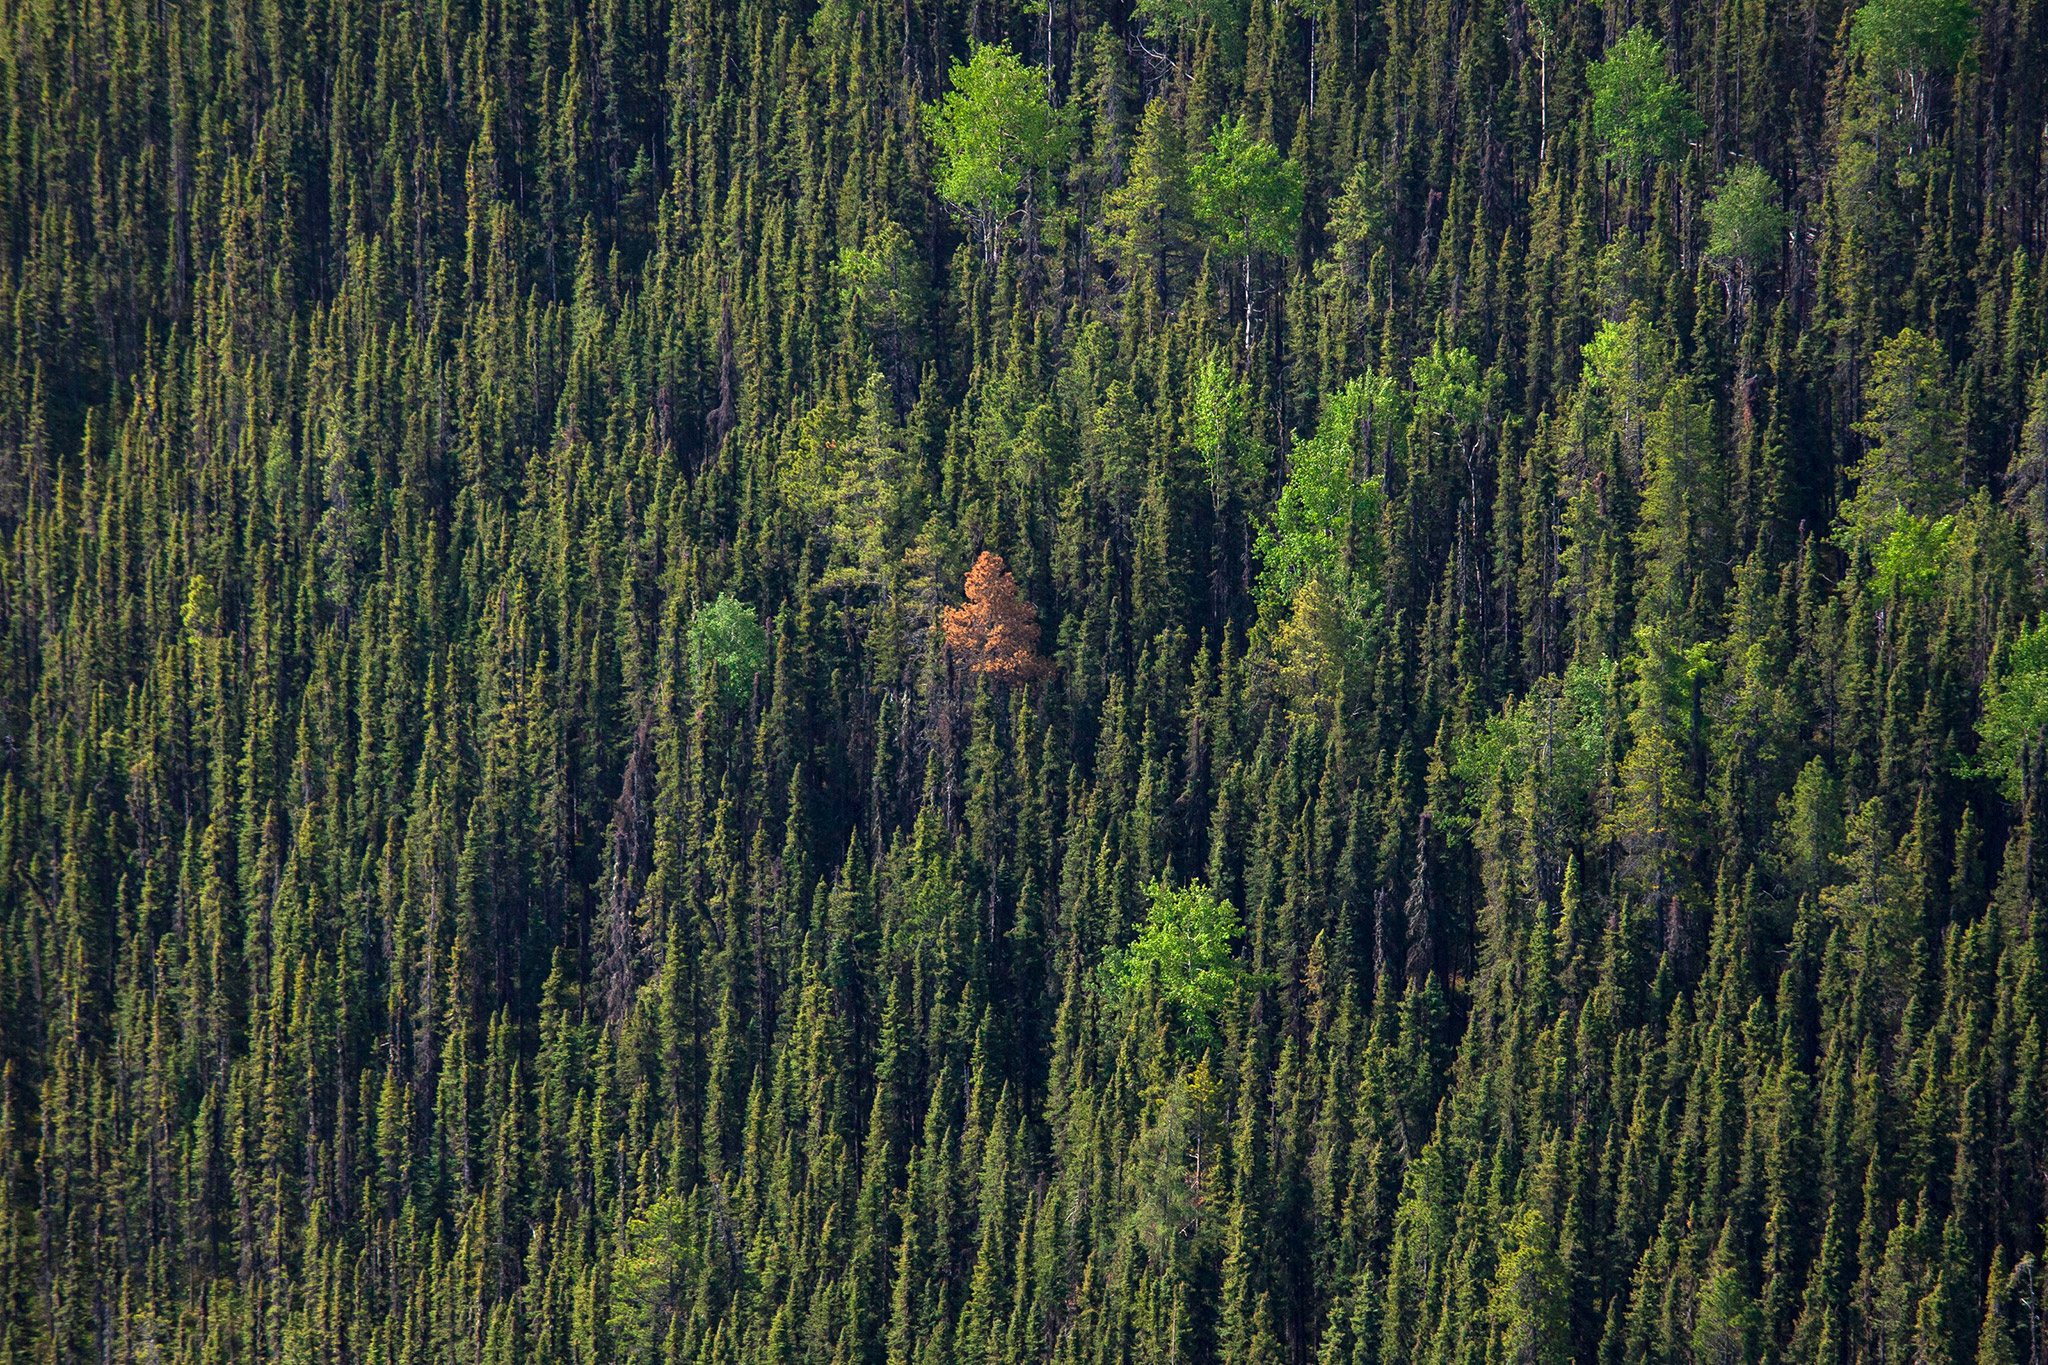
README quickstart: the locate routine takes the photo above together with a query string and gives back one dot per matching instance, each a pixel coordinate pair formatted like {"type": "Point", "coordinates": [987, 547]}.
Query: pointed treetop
{"type": "Point", "coordinates": [996, 632]}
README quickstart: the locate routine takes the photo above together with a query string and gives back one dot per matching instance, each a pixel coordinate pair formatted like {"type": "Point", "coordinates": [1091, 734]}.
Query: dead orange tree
{"type": "Point", "coordinates": [996, 632]}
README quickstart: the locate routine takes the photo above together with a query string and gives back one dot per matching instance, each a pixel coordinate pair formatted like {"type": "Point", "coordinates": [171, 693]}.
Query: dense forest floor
{"type": "Point", "coordinates": [952, 682]}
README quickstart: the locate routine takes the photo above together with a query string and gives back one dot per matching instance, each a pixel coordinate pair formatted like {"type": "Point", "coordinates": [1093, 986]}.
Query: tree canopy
{"type": "Point", "coordinates": [1118, 682]}
{"type": "Point", "coordinates": [995, 134]}
{"type": "Point", "coordinates": [1185, 945]}
{"type": "Point", "coordinates": [1247, 198]}
{"type": "Point", "coordinates": [1641, 116]}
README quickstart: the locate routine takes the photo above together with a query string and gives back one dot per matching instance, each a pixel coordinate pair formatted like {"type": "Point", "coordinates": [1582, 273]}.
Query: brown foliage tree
{"type": "Point", "coordinates": [996, 632]}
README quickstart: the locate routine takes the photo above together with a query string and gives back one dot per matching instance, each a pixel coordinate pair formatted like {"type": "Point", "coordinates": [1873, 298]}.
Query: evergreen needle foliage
{"type": "Point", "coordinates": [959, 682]}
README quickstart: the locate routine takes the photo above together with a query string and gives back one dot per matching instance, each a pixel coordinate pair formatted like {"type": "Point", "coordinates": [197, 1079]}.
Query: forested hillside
{"type": "Point", "coordinates": [957, 682]}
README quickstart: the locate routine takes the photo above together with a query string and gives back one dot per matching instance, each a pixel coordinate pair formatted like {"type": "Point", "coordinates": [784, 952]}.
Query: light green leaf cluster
{"type": "Point", "coordinates": [1552, 742]}
{"type": "Point", "coordinates": [1919, 34]}
{"type": "Point", "coordinates": [995, 131]}
{"type": "Point", "coordinates": [1639, 112]}
{"type": "Point", "coordinates": [1247, 196]}
{"type": "Point", "coordinates": [1186, 941]}
{"type": "Point", "coordinates": [1912, 556]}
{"type": "Point", "coordinates": [727, 647]}
{"type": "Point", "coordinates": [1221, 427]}
{"type": "Point", "coordinates": [1745, 223]}
{"type": "Point", "coordinates": [2015, 707]}
{"type": "Point", "coordinates": [1326, 497]}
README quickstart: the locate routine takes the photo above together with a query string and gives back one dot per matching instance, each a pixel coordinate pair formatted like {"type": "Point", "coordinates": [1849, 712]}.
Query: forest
{"type": "Point", "coordinates": [995, 682]}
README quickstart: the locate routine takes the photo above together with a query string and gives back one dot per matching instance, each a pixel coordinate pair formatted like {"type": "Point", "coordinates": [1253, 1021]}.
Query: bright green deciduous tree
{"type": "Point", "coordinates": [1327, 495]}
{"type": "Point", "coordinates": [2015, 707]}
{"type": "Point", "coordinates": [1248, 200]}
{"type": "Point", "coordinates": [1551, 744]}
{"type": "Point", "coordinates": [996, 134]}
{"type": "Point", "coordinates": [1919, 35]}
{"type": "Point", "coordinates": [1745, 227]}
{"type": "Point", "coordinates": [1639, 112]}
{"type": "Point", "coordinates": [1222, 427]}
{"type": "Point", "coordinates": [1912, 555]}
{"type": "Point", "coordinates": [1911, 43]}
{"type": "Point", "coordinates": [1745, 224]}
{"type": "Point", "coordinates": [727, 647]}
{"type": "Point", "coordinates": [1187, 939]}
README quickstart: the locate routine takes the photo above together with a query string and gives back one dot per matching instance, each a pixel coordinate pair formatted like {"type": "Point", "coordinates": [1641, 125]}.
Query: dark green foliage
{"type": "Point", "coordinates": [1519, 835]}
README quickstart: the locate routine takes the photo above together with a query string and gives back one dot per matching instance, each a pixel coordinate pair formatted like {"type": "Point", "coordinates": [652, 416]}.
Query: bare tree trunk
{"type": "Point", "coordinates": [1247, 304]}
